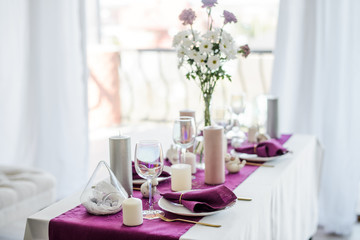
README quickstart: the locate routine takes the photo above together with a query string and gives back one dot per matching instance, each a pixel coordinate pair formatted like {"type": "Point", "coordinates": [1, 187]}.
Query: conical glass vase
{"type": "Point", "coordinates": [103, 193]}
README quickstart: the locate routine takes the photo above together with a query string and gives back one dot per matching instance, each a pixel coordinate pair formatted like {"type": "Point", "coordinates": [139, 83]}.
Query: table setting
{"type": "Point", "coordinates": [219, 180]}
{"type": "Point", "coordinates": [164, 199]}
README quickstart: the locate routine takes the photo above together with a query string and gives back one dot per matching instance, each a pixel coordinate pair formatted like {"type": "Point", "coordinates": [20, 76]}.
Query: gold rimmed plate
{"type": "Point", "coordinates": [253, 157]}
{"type": "Point", "coordinates": [179, 209]}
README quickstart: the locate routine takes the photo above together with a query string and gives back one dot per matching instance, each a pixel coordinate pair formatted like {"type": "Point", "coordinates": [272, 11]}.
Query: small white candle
{"type": "Point", "coordinates": [132, 212]}
{"type": "Point", "coordinates": [252, 134]}
{"type": "Point", "coordinates": [180, 177]}
{"type": "Point", "coordinates": [190, 158]}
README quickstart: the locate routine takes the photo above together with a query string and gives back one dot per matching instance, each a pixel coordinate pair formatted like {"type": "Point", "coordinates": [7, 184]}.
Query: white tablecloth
{"type": "Point", "coordinates": [284, 205]}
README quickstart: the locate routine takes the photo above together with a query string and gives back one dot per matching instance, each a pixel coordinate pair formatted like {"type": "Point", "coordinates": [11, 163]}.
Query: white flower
{"type": "Point", "coordinates": [201, 59]}
{"type": "Point", "coordinates": [193, 54]}
{"type": "Point", "coordinates": [212, 36]}
{"type": "Point", "coordinates": [196, 35]}
{"type": "Point", "coordinates": [225, 46]}
{"type": "Point", "coordinates": [226, 37]}
{"type": "Point", "coordinates": [181, 52]}
{"type": "Point", "coordinates": [231, 54]}
{"type": "Point", "coordinates": [213, 62]}
{"type": "Point", "coordinates": [177, 40]}
{"type": "Point", "coordinates": [206, 46]}
{"type": "Point", "coordinates": [187, 42]}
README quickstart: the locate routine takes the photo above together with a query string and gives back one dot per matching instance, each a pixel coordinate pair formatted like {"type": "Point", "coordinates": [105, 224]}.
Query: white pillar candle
{"type": "Point", "coordinates": [180, 177]}
{"type": "Point", "coordinates": [190, 158]}
{"type": "Point", "coordinates": [252, 134]}
{"type": "Point", "coordinates": [132, 212]}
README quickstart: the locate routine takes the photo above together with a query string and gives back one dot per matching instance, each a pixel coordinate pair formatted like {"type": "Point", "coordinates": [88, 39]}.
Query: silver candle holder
{"type": "Point", "coordinates": [272, 117]}
{"type": "Point", "coordinates": [120, 161]}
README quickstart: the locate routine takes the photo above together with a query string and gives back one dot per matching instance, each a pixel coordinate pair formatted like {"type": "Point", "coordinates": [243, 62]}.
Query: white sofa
{"type": "Point", "coordinates": [23, 191]}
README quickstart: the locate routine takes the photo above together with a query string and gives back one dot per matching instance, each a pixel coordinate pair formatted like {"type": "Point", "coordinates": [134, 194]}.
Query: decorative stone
{"type": "Point", "coordinates": [261, 137]}
{"type": "Point", "coordinates": [145, 188]}
{"type": "Point", "coordinates": [233, 164]}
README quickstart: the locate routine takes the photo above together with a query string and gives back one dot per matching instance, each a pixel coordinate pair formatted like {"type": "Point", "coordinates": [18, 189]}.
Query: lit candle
{"type": "Point", "coordinates": [180, 177]}
{"type": "Point", "coordinates": [214, 155]}
{"type": "Point", "coordinates": [132, 212]}
{"type": "Point", "coordinates": [190, 158]}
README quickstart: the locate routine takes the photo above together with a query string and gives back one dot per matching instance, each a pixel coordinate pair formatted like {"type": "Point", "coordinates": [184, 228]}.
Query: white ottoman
{"type": "Point", "coordinates": [24, 191]}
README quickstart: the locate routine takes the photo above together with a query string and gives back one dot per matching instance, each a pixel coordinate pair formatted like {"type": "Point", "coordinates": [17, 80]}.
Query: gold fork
{"type": "Point", "coordinates": [185, 220]}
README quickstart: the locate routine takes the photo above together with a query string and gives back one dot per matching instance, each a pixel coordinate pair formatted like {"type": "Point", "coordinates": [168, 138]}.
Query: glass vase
{"type": "Point", "coordinates": [207, 113]}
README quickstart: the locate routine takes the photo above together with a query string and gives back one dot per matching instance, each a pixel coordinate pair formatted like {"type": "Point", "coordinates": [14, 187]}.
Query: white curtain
{"type": "Point", "coordinates": [43, 102]}
{"type": "Point", "coordinates": [317, 78]}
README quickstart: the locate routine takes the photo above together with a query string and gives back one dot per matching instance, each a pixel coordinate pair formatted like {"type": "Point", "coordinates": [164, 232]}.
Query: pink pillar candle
{"type": "Point", "coordinates": [214, 155]}
{"type": "Point", "coordinates": [187, 113]}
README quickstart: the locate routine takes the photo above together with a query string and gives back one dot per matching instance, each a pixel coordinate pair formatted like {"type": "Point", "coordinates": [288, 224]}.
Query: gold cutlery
{"type": "Point", "coordinates": [136, 188]}
{"type": "Point", "coordinates": [259, 164]}
{"type": "Point", "coordinates": [185, 220]}
{"type": "Point", "coordinates": [244, 199]}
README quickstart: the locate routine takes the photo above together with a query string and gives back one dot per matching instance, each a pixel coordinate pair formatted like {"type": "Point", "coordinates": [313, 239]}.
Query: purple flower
{"type": "Point", "coordinates": [229, 17]}
{"type": "Point", "coordinates": [209, 3]}
{"type": "Point", "coordinates": [187, 16]}
{"type": "Point", "coordinates": [244, 50]}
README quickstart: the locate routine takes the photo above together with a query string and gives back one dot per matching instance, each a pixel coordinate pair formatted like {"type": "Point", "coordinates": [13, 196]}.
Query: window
{"type": "Point", "coordinates": [133, 69]}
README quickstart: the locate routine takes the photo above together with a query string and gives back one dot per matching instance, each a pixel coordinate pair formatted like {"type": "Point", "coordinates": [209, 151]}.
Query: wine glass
{"type": "Point", "coordinates": [184, 133]}
{"type": "Point", "coordinates": [149, 163]}
{"type": "Point", "coordinates": [237, 103]}
{"type": "Point", "coordinates": [222, 116]}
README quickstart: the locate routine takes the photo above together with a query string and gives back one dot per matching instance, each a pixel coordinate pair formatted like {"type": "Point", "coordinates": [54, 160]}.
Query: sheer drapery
{"type": "Point", "coordinates": [43, 105]}
{"type": "Point", "coordinates": [317, 78]}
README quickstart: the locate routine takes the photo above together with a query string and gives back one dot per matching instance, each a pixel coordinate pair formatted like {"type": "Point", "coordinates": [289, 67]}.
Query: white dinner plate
{"type": "Point", "coordinates": [160, 179]}
{"type": "Point", "coordinates": [183, 211]}
{"type": "Point", "coordinates": [253, 157]}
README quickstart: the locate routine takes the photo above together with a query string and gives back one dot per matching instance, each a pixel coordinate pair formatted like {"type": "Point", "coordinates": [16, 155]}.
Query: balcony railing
{"type": "Point", "coordinates": [150, 87]}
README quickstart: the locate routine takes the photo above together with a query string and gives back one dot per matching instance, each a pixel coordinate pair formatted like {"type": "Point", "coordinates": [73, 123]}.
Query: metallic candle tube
{"type": "Point", "coordinates": [272, 117]}
{"type": "Point", "coordinates": [120, 161]}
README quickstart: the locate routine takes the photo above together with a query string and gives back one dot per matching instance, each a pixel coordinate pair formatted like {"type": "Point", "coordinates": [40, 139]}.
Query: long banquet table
{"type": "Point", "coordinates": [284, 205]}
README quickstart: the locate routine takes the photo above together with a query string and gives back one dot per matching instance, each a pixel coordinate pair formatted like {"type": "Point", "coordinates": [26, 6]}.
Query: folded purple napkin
{"type": "Point", "coordinates": [204, 200]}
{"type": "Point", "coordinates": [268, 148]}
{"type": "Point", "coordinates": [136, 176]}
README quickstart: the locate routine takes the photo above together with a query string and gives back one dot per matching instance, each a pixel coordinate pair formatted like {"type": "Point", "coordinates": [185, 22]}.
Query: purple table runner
{"type": "Point", "coordinates": [80, 225]}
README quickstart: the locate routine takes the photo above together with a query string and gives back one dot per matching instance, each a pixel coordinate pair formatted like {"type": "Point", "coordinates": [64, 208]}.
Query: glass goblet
{"type": "Point", "coordinates": [237, 103]}
{"type": "Point", "coordinates": [184, 133]}
{"type": "Point", "coordinates": [149, 163]}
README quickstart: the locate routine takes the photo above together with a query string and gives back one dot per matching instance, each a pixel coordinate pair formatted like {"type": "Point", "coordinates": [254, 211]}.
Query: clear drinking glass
{"type": "Point", "coordinates": [237, 103]}
{"type": "Point", "coordinates": [149, 163]}
{"type": "Point", "coordinates": [184, 133]}
{"type": "Point", "coordinates": [222, 116]}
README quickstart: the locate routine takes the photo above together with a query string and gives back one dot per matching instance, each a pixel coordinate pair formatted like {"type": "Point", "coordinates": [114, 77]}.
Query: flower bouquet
{"type": "Point", "coordinates": [205, 54]}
